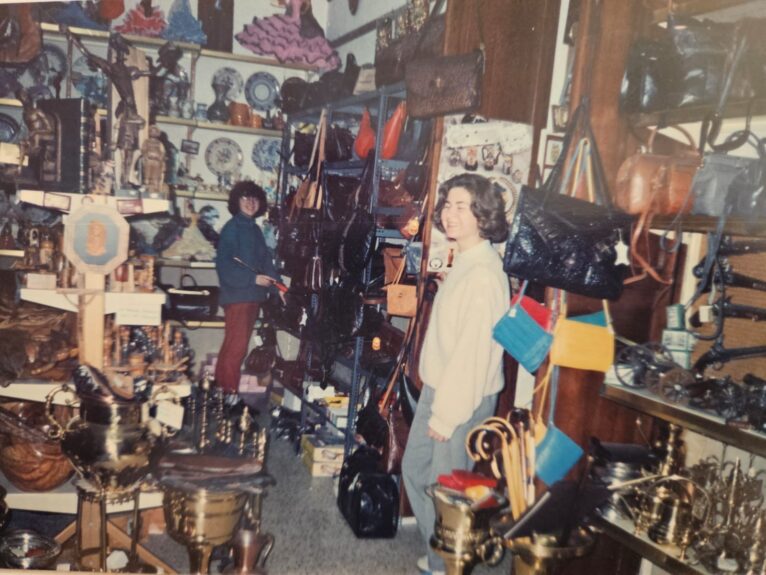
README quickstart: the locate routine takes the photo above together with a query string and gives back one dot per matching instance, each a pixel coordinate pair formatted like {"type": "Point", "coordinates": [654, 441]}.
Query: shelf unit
{"type": "Point", "coordinates": [687, 417]}
{"type": "Point", "coordinates": [380, 104]}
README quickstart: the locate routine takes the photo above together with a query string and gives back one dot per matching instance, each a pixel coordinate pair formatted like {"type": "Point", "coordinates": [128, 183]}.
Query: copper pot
{"type": "Point", "coordinates": [239, 114]}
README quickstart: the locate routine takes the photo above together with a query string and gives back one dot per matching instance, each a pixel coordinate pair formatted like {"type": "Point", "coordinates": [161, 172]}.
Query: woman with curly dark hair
{"type": "Point", "coordinates": [460, 364]}
{"type": "Point", "coordinates": [242, 289]}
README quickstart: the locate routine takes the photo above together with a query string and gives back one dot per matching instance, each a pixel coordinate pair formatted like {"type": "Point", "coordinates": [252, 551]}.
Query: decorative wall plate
{"type": "Point", "coordinates": [230, 78]}
{"type": "Point", "coordinates": [90, 84]}
{"type": "Point", "coordinates": [266, 154]}
{"type": "Point", "coordinates": [39, 75]}
{"type": "Point", "coordinates": [223, 156]}
{"type": "Point", "coordinates": [9, 128]}
{"type": "Point", "coordinates": [261, 91]}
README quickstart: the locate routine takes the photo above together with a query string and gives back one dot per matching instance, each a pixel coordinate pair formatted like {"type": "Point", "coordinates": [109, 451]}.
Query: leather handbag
{"type": "Point", "coordinates": [392, 131]}
{"type": "Point", "coordinates": [367, 498]}
{"type": "Point", "coordinates": [339, 144]}
{"type": "Point", "coordinates": [525, 335]}
{"type": "Point", "coordinates": [189, 301]}
{"type": "Point", "coordinates": [649, 75]}
{"type": "Point", "coordinates": [261, 360]}
{"type": "Point", "coordinates": [647, 181]}
{"type": "Point", "coordinates": [358, 235]}
{"type": "Point", "coordinates": [711, 186]}
{"type": "Point", "coordinates": [401, 299]}
{"type": "Point", "coordinates": [442, 85]}
{"type": "Point", "coordinates": [364, 143]}
{"type": "Point", "coordinates": [391, 61]}
{"type": "Point", "coordinates": [556, 453]}
{"type": "Point", "coordinates": [439, 85]}
{"type": "Point", "coordinates": [582, 345]}
{"type": "Point", "coordinates": [561, 241]}
{"type": "Point", "coordinates": [309, 192]}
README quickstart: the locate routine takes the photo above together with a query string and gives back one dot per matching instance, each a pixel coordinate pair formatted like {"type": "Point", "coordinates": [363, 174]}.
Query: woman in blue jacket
{"type": "Point", "coordinates": [242, 289]}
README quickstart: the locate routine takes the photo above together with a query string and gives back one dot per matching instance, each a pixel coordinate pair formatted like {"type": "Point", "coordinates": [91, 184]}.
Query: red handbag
{"type": "Point", "coordinates": [392, 131]}
{"type": "Point", "coordinates": [365, 138]}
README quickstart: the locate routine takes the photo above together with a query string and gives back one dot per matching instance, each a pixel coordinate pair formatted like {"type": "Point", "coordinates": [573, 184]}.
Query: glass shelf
{"type": "Point", "coordinates": [687, 417]}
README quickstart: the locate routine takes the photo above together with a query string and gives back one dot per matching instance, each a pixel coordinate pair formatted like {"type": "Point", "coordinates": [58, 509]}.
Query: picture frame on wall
{"type": "Point", "coordinates": [553, 147]}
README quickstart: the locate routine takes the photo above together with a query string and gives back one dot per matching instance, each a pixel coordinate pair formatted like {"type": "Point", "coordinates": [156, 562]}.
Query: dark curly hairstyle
{"type": "Point", "coordinates": [487, 205]}
{"type": "Point", "coordinates": [247, 189]}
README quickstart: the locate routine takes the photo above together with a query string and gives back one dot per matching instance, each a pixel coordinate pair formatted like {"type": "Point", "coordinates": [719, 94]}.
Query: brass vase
{"type": "Point", "coordinates": [251, 549]}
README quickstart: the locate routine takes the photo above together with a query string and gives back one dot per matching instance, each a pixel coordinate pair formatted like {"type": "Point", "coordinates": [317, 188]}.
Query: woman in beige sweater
{"type": "Point", "coordinates": [460, 363]}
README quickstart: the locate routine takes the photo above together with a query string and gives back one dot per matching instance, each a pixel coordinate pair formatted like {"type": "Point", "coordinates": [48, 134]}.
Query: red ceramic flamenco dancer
{"type": "Point", "coordinates": [295, 37]}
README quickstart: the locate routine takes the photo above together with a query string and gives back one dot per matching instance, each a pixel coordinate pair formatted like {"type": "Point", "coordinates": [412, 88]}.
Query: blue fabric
{"type": "Point", "coordinates": [523, 338]}
{"type": "Point", "coordinates": [241, 237]}
{"type": "Point", "coordinates": [596, 318]}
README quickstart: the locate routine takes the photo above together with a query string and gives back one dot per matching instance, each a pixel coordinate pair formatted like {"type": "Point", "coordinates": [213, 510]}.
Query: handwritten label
{"type": "Point", "coordinates": [170, 414]}
{"type": "Point", "coordinates": [133, 313]}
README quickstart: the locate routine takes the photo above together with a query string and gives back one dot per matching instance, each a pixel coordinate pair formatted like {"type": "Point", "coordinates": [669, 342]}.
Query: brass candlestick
{"type": "Point", "coordinates": [244, 427]}
{"type": "Point", "coordinates": [541, 554]}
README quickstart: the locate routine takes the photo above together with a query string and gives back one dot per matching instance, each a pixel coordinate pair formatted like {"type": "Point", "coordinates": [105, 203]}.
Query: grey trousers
{"type": "Point", "coordinates": [425, 459]}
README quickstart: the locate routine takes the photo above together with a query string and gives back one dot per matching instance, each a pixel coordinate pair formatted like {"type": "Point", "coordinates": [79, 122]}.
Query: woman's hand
{"type": "Point", "coordinates": [436, 436]}
{"type": "Point", "coordinates": [264, 280]}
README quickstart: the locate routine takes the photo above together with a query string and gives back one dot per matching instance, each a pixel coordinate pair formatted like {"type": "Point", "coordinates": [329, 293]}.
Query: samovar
{"type": "Point", "coordinates": [108, 442]}
{"type": "Point", "coordinates": [461, 530]}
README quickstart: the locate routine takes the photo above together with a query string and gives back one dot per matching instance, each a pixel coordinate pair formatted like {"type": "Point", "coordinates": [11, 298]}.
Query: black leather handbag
{"type": "Point", "coordinates": [358, 235]}
{"type": "Point", "coordinates": [368, 499]}
{"type": "Point", "coordinates": [189, 301]}
{"type": "Point", "coordinates": [564, 242]}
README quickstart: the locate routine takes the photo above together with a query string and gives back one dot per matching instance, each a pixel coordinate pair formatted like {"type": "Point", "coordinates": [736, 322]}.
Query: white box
{"type": "Point", "coordinates": [41, 280]}
{"type": "Point", "coordinates": [678, 340]}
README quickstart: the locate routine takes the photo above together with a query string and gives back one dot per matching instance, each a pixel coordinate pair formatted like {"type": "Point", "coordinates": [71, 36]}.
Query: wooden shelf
{"type": "Point", "coordinates": [351, 104]}
{"type": "Point", "coordinates": [687, 417]}
{"type": "Point", "coordinates": [687, 114]}
{"type": "Point", "coordinates": [736, 225]}
{"type": "Point", "coordinates": [12, 253]}
{"type": "Point", "coordinates": [204, 125]}
{"type": "Point", "coordinates": [695, 7]}
{"type": "Point", "coordinates": [191, 324]}
{"type": "Point", "coordinates": [664, 556]}
{"type": "Point", "coordinates": [205, 52]}
{"type": "Point", "coordinates": [171, 263]}
{"type": "Point", "coordinates": [215, 196]}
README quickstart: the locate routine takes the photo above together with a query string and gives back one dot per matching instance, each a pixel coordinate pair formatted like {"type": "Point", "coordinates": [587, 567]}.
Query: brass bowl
{"type": "Point", "coordinates": [27, 549]}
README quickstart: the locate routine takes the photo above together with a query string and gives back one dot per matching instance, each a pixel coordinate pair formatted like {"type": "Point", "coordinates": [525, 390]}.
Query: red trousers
{"type": "Point", "coordinates": [239, 319]}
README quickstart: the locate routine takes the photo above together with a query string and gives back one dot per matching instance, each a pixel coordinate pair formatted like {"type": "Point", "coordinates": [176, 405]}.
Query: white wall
{"type": "Point", "coordinates": [340, 21]}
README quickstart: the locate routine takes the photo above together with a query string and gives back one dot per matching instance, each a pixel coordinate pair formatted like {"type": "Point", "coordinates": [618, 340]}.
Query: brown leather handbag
{"type": "Point", "coordinates": [647, 181]}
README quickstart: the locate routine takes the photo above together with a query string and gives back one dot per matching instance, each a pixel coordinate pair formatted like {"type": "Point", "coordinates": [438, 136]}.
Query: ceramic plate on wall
{"type": "Point", "coordinates": [231, 78]}
{"type": "Point", "coordinates": [223, 156]}
{"type": "Point", "coordinates": [261, 91]}
{"type": "Point", "coordinates": [89, 84]}
{"type": "Point", "coordinates": [266, 154]}
{"type": "Point", "coordinates": [40, 73]}
{"type": "Point", "coordinates": [9, 128]}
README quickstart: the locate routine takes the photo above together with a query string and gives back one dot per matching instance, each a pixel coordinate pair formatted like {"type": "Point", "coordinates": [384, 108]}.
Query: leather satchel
{"type": "Point", "coordinates": [191, 302]}
{"type": "Point", "coordinates": [391, 61]}
{"type": "Point", "coordinates": [648, 181]}
{"type": "Point", "coordinates": [562, 241]}
{"type": "Point", "coordinates": [440, 85]}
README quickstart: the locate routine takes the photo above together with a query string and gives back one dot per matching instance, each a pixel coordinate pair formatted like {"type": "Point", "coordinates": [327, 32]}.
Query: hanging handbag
{"type": "Point", "coordinates": [358, 235]}
{"type": "Point", "coordinates": [439, 85]}
{"type": "Point", "coordinates": [561, 241]}
{"type": "Point", "coordinates": [582, 344]}
{"type": "Point", "coordinates": [649, 75]}
{"type": "Point", "coordinates": [391, 60]}
{"type": "Point", "coordinates": [401, 299]}
{"type": "Point", "coordinates": [339, 144]}
{"type": "Point", "coordinates": [647, 181]}
{"type": "Point", "coordinates": [392, 131]}
{"type": "Point", "coordinates": [309, 192]}
{"type": "Point", "coordinates": [525, 335]}
{"type": "Point", "coordinates": [365, 137]}
{"type": "Point", "coordinates": [556, 453]}
{"type": "Point", "coordinates": [712, 182]}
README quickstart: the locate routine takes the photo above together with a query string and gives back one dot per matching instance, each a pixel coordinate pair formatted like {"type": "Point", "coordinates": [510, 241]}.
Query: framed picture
{"type": "Point", "coordinates": [190, 147]}
{"type": "Point", "coordinates": [553, 146]}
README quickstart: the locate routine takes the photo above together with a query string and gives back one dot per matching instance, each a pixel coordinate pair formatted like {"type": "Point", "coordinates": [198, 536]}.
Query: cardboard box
{"type": "Point", "coordinates": [319, 449]}
{"type": "Point", "coordinates": [338, 416]}
{"type": "Point", "coordinates": [41, 280]}
{"type": "Point", "coordinates": [321, 468]}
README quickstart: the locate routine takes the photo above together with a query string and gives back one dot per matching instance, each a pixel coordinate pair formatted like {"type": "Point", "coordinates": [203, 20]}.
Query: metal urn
{"type": "Point", "coordinates": [108, 442]}
{"type": "Point", "coordinates": [462, 534]}
{"type": "Point", "coordinates": [202, 517]}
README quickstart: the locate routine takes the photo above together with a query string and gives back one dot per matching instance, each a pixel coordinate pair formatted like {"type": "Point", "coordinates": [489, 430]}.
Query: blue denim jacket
{"type": "Point", "coordinates": [241, 237]}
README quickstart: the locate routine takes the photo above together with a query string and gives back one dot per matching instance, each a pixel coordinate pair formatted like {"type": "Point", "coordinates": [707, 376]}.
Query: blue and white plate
{"type": "Point", "coordinates": [266, 154]}
{"type": "Point", "coordinates": [90, 84]}
{"type": "Point", "coordinates": [261, 91]}
{"type": "Point", "coordinates": [9, 128]}
{"type": "Point", "coordinates": [40, 74]}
